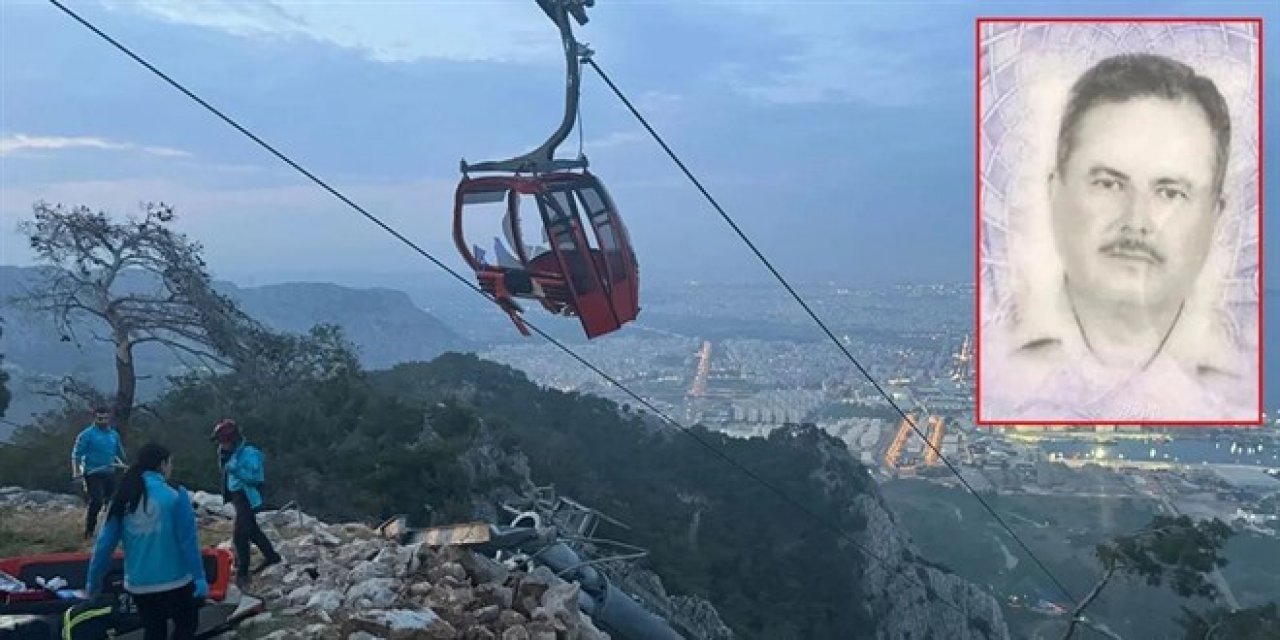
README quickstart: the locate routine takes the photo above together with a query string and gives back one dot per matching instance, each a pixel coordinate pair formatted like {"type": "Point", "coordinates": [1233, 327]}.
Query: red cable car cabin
{"type": "Point", "coordinates": [593, 276]}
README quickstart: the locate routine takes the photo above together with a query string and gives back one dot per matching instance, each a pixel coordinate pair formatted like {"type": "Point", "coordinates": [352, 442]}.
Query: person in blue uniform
{"type": "Point", "coordinates": [242, 479]}
{"type": "Point", "coordinates": [97, 453]}
{"type": "Point", "coordinates": [156, 525]}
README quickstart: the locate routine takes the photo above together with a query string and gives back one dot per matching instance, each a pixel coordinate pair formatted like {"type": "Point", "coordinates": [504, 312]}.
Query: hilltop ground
{"type": "Point", "coordinates": [28, 530]}
{"type": "Point", "coordinates": [344, 579]}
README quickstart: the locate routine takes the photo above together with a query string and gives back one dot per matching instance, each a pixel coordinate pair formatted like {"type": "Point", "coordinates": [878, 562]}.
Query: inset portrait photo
{"type": "Point", "coordinates": [1119, 222]}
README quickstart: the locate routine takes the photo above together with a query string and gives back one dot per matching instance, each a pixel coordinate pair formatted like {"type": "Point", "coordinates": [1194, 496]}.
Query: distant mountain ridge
{"type": "Point", "coordinates": [385, 325]}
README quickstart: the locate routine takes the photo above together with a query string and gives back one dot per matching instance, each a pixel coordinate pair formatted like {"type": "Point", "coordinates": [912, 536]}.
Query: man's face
{"type": "Point", "coordinates": [102, 419]}
{"type": "Point", "coordinates": [1135, 205]}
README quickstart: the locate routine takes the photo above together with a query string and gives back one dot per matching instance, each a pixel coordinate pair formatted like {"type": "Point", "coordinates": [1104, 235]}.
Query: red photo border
{"type": "Point", "coordinates": [977, 129]}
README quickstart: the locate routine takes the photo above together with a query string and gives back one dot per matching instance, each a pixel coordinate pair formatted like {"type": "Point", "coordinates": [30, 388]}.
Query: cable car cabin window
{"type": "Point", "coordinates": [502, 227]}
{"type": "Point", "coordinates": [593, 203]}
{"type": "Point", "coordinates": [561, 226]}
{"type": "Point", "coordinates": [569, 207]}
{"type": "Point", "coordinates": [612, 253]}
{"type": "Point", "coordinates": [485, 219]}
{"type": "Point", "coordinates": [529, 224]}
{"type": "Point", "coordinates": [603, 243]}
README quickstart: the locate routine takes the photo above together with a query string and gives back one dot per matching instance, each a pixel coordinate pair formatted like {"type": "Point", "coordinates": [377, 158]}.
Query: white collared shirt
{"type": "Point", "coordinates": [1041, 370]}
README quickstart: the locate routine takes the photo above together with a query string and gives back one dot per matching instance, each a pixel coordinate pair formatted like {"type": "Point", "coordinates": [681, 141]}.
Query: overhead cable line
{"type": "Point", "coordinates": [816, 319]}
{"type": "Point", "coordinates": [837, 530]}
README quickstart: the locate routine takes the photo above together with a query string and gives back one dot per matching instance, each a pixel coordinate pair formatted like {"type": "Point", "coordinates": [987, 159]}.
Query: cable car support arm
{"type": "Point", "coordinates": [543, 158]}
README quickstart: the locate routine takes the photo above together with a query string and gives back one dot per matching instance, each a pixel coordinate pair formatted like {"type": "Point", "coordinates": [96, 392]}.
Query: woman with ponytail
{"type": "Point", "coordinates": [156, 525]}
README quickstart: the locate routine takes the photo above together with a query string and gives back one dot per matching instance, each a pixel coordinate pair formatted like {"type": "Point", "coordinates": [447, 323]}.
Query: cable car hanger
{"type": "Point", "coordinates": [542, 159]}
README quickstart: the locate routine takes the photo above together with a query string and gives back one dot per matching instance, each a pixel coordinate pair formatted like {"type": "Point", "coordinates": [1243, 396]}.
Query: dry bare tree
{"type": "Point", "coordinates": [140, 280]}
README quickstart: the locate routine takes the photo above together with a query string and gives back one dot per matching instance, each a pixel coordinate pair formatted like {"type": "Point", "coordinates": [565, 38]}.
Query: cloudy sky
{"type": "Point", "coordinates": [839, 135]}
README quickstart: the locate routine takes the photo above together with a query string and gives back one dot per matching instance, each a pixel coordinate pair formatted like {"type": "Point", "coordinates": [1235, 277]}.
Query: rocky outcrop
{"type": "Point", "coordinates": [345, 581]}
{"type": "Point", "coordinates": [18, 497]}
{"type": "Point", "coordinates": [893, 591]}
{"type": "Point", "coordinates": [909, 597]}
{"type": "Point", "coordinates": [917, 600]}
{"type": "Point", "coordinates": [506, 474]}
{"type": "Point", "coordinates": [503, 473]}
{"type": "Point", "coordinates": [693, 617]}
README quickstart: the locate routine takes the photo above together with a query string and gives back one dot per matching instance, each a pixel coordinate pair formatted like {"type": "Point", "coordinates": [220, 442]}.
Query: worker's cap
{"type": "Point", "coordinates": [225, 431]}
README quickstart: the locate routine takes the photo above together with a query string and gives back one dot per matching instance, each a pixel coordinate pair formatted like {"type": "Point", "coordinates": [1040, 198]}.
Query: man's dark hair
{"type": "Point", "coordinates": [1141, 75]}
{"type": "Point", "coordinates": [101, 409]}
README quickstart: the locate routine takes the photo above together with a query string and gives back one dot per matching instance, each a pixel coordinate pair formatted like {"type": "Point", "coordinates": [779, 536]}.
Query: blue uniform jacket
{"type": "Point", "coordinates": [161, 548]}
{"type": "Point", "coordinates": [243, 471]}
{"type": "Point", "coordinates": [96, 449]}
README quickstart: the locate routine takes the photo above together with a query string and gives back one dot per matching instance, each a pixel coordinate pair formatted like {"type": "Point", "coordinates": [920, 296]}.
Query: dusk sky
{"type": "Point", "coordinates": [839, 135]}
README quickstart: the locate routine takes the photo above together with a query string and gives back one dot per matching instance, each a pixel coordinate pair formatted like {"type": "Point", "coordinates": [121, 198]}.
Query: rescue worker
{"type": "Point", "coordinates": [95, 457]}
{"type": "Point", "coordinates": [242, 478]}
{"type": "Point", "coordinates": [163, 570]}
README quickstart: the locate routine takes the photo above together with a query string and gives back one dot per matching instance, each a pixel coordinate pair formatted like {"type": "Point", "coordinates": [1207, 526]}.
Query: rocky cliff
{"type": "Point", "coordinates": [910, 597]}
{"type": "Point", "coordinates": [716, 532]}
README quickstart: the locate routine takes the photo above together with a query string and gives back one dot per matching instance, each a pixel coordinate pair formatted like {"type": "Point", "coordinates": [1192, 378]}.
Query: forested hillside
{"type": "Point", "coordinates": [354, 445]}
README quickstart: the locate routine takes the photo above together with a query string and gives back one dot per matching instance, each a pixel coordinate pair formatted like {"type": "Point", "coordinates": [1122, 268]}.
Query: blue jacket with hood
{"type": "Point", "coordinates": [242, 470]}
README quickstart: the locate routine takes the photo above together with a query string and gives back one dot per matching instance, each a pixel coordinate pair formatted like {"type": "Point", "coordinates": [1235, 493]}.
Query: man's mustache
{"type": "Point", "coordinates": [1131, 246]}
